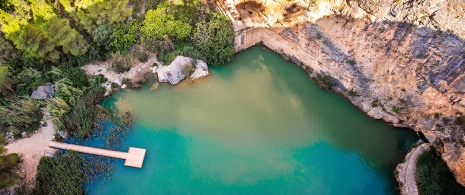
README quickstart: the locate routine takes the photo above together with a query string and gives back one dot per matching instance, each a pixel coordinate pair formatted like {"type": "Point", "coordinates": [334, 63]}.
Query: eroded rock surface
{"type": "Point", "coordinates": [405, 59]}
{"type": "Point", "coordinates": [180, 68]}
{"type": "Point", "coordinates": [201, 70]}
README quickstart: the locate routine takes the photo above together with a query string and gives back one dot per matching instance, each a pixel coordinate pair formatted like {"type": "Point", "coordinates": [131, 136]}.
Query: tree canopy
{"type": "Point", "coordinates": [162, 24]}
{"type": "Point", "coordinates": [215, 39]}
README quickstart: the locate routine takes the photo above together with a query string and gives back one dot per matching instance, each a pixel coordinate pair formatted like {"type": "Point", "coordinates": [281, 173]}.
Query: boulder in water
{"type": "Point", "coordinates": [179, 69]}
{"type": "Point", "coordinates": [201, 70]}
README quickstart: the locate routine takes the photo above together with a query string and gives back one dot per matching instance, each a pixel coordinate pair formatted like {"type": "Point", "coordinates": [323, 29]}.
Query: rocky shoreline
{"type": "Point", "coordinates": [407, 71]}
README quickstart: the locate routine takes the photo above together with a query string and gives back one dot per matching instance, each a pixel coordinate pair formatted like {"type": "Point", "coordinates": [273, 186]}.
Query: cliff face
{"type": "Point", "coordinates": [405, 59]}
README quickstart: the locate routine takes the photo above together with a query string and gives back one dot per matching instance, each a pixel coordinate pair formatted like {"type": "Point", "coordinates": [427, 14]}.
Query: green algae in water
{"type": "Point", "coordinates": [257, 125]}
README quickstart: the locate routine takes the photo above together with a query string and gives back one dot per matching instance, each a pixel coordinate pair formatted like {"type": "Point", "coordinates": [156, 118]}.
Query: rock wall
{"type": "Point", "coordinates": [404, 67]}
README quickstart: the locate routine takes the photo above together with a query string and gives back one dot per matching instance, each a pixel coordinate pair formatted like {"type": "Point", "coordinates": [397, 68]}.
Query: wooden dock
{"type": "Point", "coordinates": [134, 157]}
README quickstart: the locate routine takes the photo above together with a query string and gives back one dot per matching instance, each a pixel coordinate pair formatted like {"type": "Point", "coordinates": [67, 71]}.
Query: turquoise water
{"type": "Point", "coordinates": [257, 125]}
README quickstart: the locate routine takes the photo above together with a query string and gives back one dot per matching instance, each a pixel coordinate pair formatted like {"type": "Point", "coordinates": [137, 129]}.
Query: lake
{"type": "Point", "coordinates": [256, 125]}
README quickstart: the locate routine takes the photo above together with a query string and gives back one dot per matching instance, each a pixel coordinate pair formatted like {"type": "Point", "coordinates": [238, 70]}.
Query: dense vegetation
{"type": "Point", "coordinates": [47, 41]}
{"type": "Point", "coordinates": [434, 177]}
{"type": "Point", "coordinates": [61, 175]}
{"type": "Point", "coordinates": [8, 164]}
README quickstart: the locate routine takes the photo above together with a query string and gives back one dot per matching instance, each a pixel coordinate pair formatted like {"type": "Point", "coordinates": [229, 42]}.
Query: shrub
{"type": "Point", "coordinates": [354, 93]}
{"type": "Point", "coordinates": [396, 109]}
{"type": "Point", "coordinates": [308, 69]}
{"type": "Point", "coordinates": [159, 45]}
{"type": "Point", "coordinates": [434, 177]}
{"type": "Point", "coordinates": [351, 62]}
{"type": "Point", "coordinates": [121, 63]}
{"type": "Point", "coordinates": [325, 82]}
{"type": "Point", "coordinates": [460, 121]}
{"type": "Point", "coordinates": [21, 115]}
{"type": "Point", "coordinates": [375, 103]}
{"type": "Point", "coordinates": [8, 175]}
{"type": "Point", "coordinates": [29, 80]}
{"type": "Point", "coordinates": [445, 120]}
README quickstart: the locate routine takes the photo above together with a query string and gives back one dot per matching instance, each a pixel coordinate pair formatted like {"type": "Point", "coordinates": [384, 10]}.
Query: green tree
{"type": "Point", "coordinates": [125, 36]}
{"type": "Point", "coordinates": [91, 14]}
{"type": "Point", "coordinates": [162, 24]}
{"type": "Point", "coordinates": [215, 39]}
{"type": "Point", "coordinates": [45, 37]}
{"type": "Point", "coordinates": [103, 36]}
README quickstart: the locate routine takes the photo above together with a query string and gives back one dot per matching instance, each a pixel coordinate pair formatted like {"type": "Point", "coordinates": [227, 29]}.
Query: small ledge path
{"type": "Point", "coordinates": [407, 169]}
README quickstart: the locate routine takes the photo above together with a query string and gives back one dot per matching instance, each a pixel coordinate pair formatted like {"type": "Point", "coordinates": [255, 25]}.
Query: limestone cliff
{"type": "Point", "coordinates": [403, 61]}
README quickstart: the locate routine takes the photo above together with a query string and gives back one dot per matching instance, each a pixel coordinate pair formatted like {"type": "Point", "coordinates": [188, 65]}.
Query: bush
{"type": "Point", "coordinates": [121, 63]}
{"type": "Point", "coordinates": [29, 80]}
{"type": "Point", "coordinates": [21, 115]}
{"type": "Point", "coordinates": [125, 36]}
{"type": "Point", "coordinates": [325, 82]}
{"type": "Point", "coordinates": [159, 45]}
{"type": "Point", "coordinates": [85, 113]}
{"type": "Point", "coordinates": [215, 39]}
{"type": "Point", "coordinates": [141, 55]}
{"type": "Point", "coordinates": [375, 103]}
{"type": "Point", "coordinates": [60, 175]}
{"type": "Point", "coordinates": [8, 175]}
{"type": "Point", "coordinates": [396, 109]}
{"type": "Point", "coordinates": [354, 93]}
{"type": "Point", "coordinates": [460, 121]}
{"type": "Point", "coordinates": [434, 177]}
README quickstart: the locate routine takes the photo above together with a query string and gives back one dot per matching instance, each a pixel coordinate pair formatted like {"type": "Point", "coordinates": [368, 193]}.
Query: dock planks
{"type": "Point", "coordinates": [134, 157]}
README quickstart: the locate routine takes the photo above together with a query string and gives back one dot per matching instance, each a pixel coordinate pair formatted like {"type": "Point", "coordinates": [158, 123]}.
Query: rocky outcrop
{"type": "Point", "coordinates": [43, 92]}
{"type": "Point", "coordinates": [404, 59]}
{"type": "Point", "coordinates": [180, 68]}
{"type": "Point", "coordinates": [201, 70]}
{"type": "Point", "coordinates": [406, 170]}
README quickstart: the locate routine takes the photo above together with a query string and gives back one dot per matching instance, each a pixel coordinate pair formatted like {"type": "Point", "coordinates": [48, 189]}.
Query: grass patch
{"type": "Point", "coordinates": [434, 177]}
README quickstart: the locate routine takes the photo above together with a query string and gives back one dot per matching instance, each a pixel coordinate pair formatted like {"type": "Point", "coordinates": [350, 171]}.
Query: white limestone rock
{"type": "Point", "coordinates": [178, 70]}
{"type": "Point", "coordinates": [201, 70]}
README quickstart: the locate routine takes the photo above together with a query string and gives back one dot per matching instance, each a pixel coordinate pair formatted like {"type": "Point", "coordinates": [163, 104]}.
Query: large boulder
{"type": "Point", "coordinates": [201, 70]}
{"type": "Point", "coordinates": [43, 92]}
{"type": "Point", "coordinates": [179, 69]}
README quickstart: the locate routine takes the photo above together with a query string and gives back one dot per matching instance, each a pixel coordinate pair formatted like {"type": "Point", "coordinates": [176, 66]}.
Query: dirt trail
{"type": "Point", "coordinates": [32, 149]}
{"type": "Point", "coordinates": [406, 170]}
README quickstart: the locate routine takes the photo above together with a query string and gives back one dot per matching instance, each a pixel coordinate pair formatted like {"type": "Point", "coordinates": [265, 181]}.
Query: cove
{"type": "Point", "coordinates": [256, 125]}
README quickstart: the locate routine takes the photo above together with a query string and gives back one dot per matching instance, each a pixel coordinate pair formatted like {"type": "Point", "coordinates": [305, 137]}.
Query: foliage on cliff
{"type": "Point", "coordinates": [434, 177]}
{"type": "Point", "coordinates": [214, 39]}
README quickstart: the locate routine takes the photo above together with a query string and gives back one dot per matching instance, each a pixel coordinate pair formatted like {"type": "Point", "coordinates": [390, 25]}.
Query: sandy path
{"type": "Point", "coordinates": [407, 170]}
{"type": "Point", "coordinates": [32, 149]}
{"type": "Point", "coordinates": [137, 71]}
